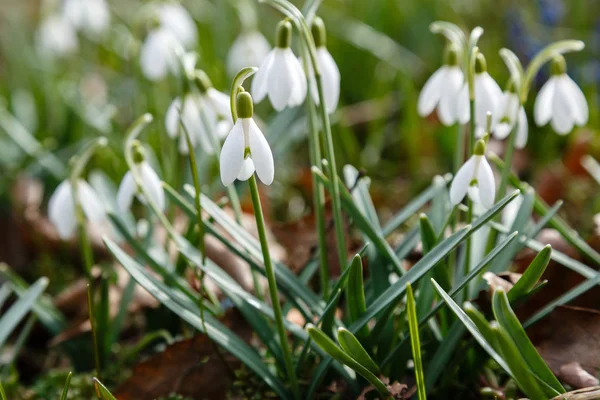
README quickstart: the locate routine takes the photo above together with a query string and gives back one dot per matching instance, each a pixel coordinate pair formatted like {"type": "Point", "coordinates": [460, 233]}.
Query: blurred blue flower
{"type": "Point", "coordinates": [551, 11]}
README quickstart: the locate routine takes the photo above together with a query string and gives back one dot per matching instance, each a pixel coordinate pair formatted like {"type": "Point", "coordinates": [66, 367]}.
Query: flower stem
{"type": "Point", "coordinates": [471, 146]}
{"type": "Point", "coordinates": [270, 274]}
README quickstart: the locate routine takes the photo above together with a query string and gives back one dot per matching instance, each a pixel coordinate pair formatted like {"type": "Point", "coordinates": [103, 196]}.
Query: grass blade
{"type": "Point", "coordinates": [350, 344]}
{"type": "Point", "coordinates": [531, 276]}
{"type": "Point", "coordinates": [65, 391]}
{"type": "Point", "coordinates": [357, 305]}
{"type": "Point", "coordinates": [415, 342]}
{"type": "Point", "coordinates": [102, 392]}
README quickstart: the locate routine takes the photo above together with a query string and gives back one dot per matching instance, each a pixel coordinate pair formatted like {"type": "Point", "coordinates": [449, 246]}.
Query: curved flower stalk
{"type": "Point", "coordinates": [488, 96]}
{"type": "Point", "coordinates": [328, 67]}
{"type": "Point", "coordinates": [89, 16]}
{"type": "Point", "coordinates": [476, 179]}
{"type": "Point", "coordinates": [128, 189]}
{"type": "Point", "coordinates": [246, 150]}
{"type": "Point", "coordinates": [280, 76]}
{"type": "Point", "coordinates": [560, 101]}
{"type": "Point", "coordinates": [62, 212]}
{"type": "Point", "coordinates": [249, 49]}
{"type": "Point", "coordinates": [56, 37]}
{"type": "Point", "coordinates": [442, 89]}
{"type": "Point", "coordinates": [512, 116]}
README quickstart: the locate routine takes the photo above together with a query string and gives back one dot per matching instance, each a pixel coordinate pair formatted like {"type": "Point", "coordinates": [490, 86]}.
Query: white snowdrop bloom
{"type": "Point", "coordinates": [61, 209]}
{"type": "Point", "coordinates": [179, 22]}
{"type": "Point", "coordinates": [89, 16]}
{"type": "Point", "coordinates": [488, 96]}
{"type": "Point", "coordinates": [158, 55]}
{"type": "Point", "coordinates": [246, 150]}
{"type": "Point", "coordinates": [442, 89]}
{"type": "Point", "coordinates": [56, 37]}
{"type": "Point", "coordinates": [510, 112]}
{"type": "Point", "coordinates": [249, 49]}
{"type": "Point", "coordinates": [150, 180]}
{"type": "Point", "coordinates": [280, 76]}
{"type": "Point", "coordinates": [191, 119]}
{"type": "Point", "coordinates": [560, 101]}
{"type": "Point", "coordinates": [330, 72]}
{"type": "Point", "coordinates": [214, 103]}
{"type": "Point", "coordinates": [476, 178]}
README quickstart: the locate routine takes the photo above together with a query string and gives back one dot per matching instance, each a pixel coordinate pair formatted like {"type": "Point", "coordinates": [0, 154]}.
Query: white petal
{"type": "Point", "coordinates": [177, 20]}
{"type": "Point", "coordinates": [542, 110]}
{"type": "Point", "coordinates": [450, 88]}
{"type": "Point", "coordinates": [172, 118]}
{"type": "Point", "coordinates": [61, 210]}
{"type": "Point", "coordinates": [563, 118]}
{"type": "Point", "coordinates": [486, 183]}
{"type": "Point", "coordinates": [247, 170]}
{"type": "Point", "coordinates": [259, 82]}
{"type": "Point", "coordinates": [248, 50]}
{"type": "Point", "coordinates": [502, 130]}
{"type": "Point", "coordinates": [157, 55]}
{"type": "Point", "coordinates": [300, 85]}
{"type": "Point", "coordinates": [331, 79]}
{"type": "Point", "coordinates": [281, 79]}
{"type": "Point", "coordinates": [152, 184]}
{"type": "Point", "coordinates": [462, 181]}
{"type": "Point", "coordinates": [462, 104]}
{"type": "Point", "coordinates": [232, 154]}
{"type": "Point", "coordinates": [90, 202]}
{"type": "Point", "coordinates": [126, 192]}
{"type": "Point", "coordinates": [473, 193]}
{"type": "Point", "coordinates": [580, 106]}
{"type": "Point", "coordinates": [192, 120]}
{"type": "Point", "coordinates": [220, 102]}
{"type": "Point", "coordinates": [487, 98]}
{"type": "Point", "coordinates": [431, 92]}
{"type": "Point", "coordinates": [522, 129]}
{"type": "Point", "coordinates": [223, 128]}
{"type": "Point", "coordinates": [261, 154]}
{"type": "Point", "coordinates": [56, 37]}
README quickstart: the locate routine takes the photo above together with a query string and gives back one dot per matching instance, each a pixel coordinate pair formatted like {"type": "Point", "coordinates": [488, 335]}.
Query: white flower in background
{"type": "Point", "coordinates": [214, 104]}
{"type": "Point", "coordinates": [191, 119]}
{"type": "Point", "coordinates": [476, 178]}
{"type": "Point", "coordinates": [158, 55]}
{"type": "Point", "coordinates": [249, 49]}
{"type": "Point", "coordinates": [61, 209]}
{"type": "Point", "coordinates": [89, 16]}
{"type": "Point", "coordinates": [246, 150]}
{"type": "Point", "coordinates": [441, 90]}
{"type": "Point", "coordinates": [510, 112]}
{"type": "Point", "coordinates": [150, 180]}
{"type": "Point", "coordinates": [179, 22]}
{"type": "Point", "coordinates": [560, 101]}
{"type": "Point", "coordinates": [56, 37]}
{"type": "Point", "coordinates": [488, 96]}
{"type": "Point", "coordinates": [280, 75]}
{"type": "Point", "coordinates": [330, 72]}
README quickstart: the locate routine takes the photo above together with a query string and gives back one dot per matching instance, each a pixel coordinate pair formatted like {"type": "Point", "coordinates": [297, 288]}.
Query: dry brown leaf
{"type": "Point", "coordinates": [574, 375]}
{"type": "Point", "coordinates": [591, 393]}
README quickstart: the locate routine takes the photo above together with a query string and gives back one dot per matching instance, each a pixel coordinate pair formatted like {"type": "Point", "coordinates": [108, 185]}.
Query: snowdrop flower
{"type": "Point", "coordinates": [560, 101]}
{"type": "Point", "coordinates": [249, 49]}
{"type": "Point", "coordinates": [441, 90]}
{"type": "Point", "coordinates": [56, 37]}
{"type": "Point", "coordinates": [476, 178]}
{"type": "Point", "coordinates": [174, 18]}
{"type": "Point", "coordinates": [150, 180]}
{"type": "Point", "coordinates": [191, 119]}
{"type": "Point", "coordinates": [510, 112]}
{"type": "Point", "coordinates": [61, 209]}
{"type": "Point", "coordinates": [214, 104]}
{"type": "Point", "coordinates": [89, 16]}
{"type": "Point", "coordinates": [487, 98]}
{"type": "Point", "coordinates": [246, 150]}
{"type": "Point", "coordinates": [280, 75]}
{"type": "Point", "coordinates": [328, 68]}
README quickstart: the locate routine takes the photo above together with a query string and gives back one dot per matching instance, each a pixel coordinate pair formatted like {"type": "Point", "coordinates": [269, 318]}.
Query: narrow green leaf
{"type": "Point", "coordinates": [415, 342]}
{"type": "Point", "coordinates": [2, 394]}
{"type": "Point", "coordinates": [482, 324]}
{"type": "Point", "coordinates": [531, 276]}
{"type": "Point", "coordinates": [360, 194]}
{"type": "Point", "coordinates": [65, 391]}
{"type": "Point", "coordinates": [428, 236]}
{"type": "Point", "coordinates": [356, 294]}
{"type": "Point", "coordinates": [102, 392]}
{"type": "Point", "coordinates": [354, 349]}
{"type": "Point", "coordinates": [447, 348]}
{"type": "Point", "coordinates": [20, 308]}
{"type": "Point", "coordinates": [5, 291]}
{"type": "Point", "coordinates": [510, 323]}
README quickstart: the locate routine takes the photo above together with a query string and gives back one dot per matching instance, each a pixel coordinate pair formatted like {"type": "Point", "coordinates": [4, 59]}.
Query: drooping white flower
{"type": "Point", "coordinates": [214, 104]}
{"type": "Point", "coordinates": [330, 73]}
{"type": "Point", "coordinates": [89, 16]}
{"type": "Point", "coordinates": [511, 112]}
{"type": "Point", "coordinates": [488, 96]}
{"type": "Point", "coordinates": [150, 180]}
{"type": "Point", "coordinates": [61, 209]}
{"type": "Point", "coordinates": [249, 49]}
{"type": "Point", "coordinates": [476, 178]}
{"type": "Point", "coordinates": [56, 37]}
{"type": "Point", "coordinates": [191, 119]}
{"type": "Point", "coordinates": [158, 55]}
{"type": "Point", "coordinates": [179, 22]}
{"type": "Point", "coordinates": [442, 89]}
{"type": "Point", "coordinates": [246, 149]}
{"type": "Point", "coordinates": [280, 76]}
{"type": "Point", "coordinates": [560, 101]}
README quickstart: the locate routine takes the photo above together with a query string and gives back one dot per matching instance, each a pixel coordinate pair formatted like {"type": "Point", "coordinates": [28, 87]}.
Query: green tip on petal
{"type": "Point", "coordinates": [284, 34]}
{"type": "Point", "coordinates": [244, 105]}
{"type": "Point", "coordinates": [139, 154]}
{"type": "Point", "coordinates": [202, 81]}
{"type": "Point", "coordinates": [559, 65]}
{"type": "Point", "coordinates": [319, 32]}
{"type": "Point", "coordinates": [479, 148]}
{"type": "Point", "coordinates": [480, 64]}
{"type": "Point", "coordinates": [451, 56]}
{"type": "Point", "coordinates": [510, 86]}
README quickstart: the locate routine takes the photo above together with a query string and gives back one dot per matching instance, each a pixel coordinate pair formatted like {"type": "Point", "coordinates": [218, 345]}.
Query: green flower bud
{"type": "Point", "coordinates": [202, 81]}
{"type": "Point", "coordinates": [480, 64]}
{"type": "Point", "coordinates": [319, 32]}
{"type": "Point", "coordinates": [284, 34]}
{"type": "Point", "coordinates": [479, 148]}
{"type": "Point", "coordinates": [244, 105]}
{"type": "Point", "coordinates": [558, 66]}
{"type": "Point", "coordinates": [510, 86]}
{"type": "Point", "coordinates": [139, 154]}
{"type": "Point", "coordinates": [451, 56]}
